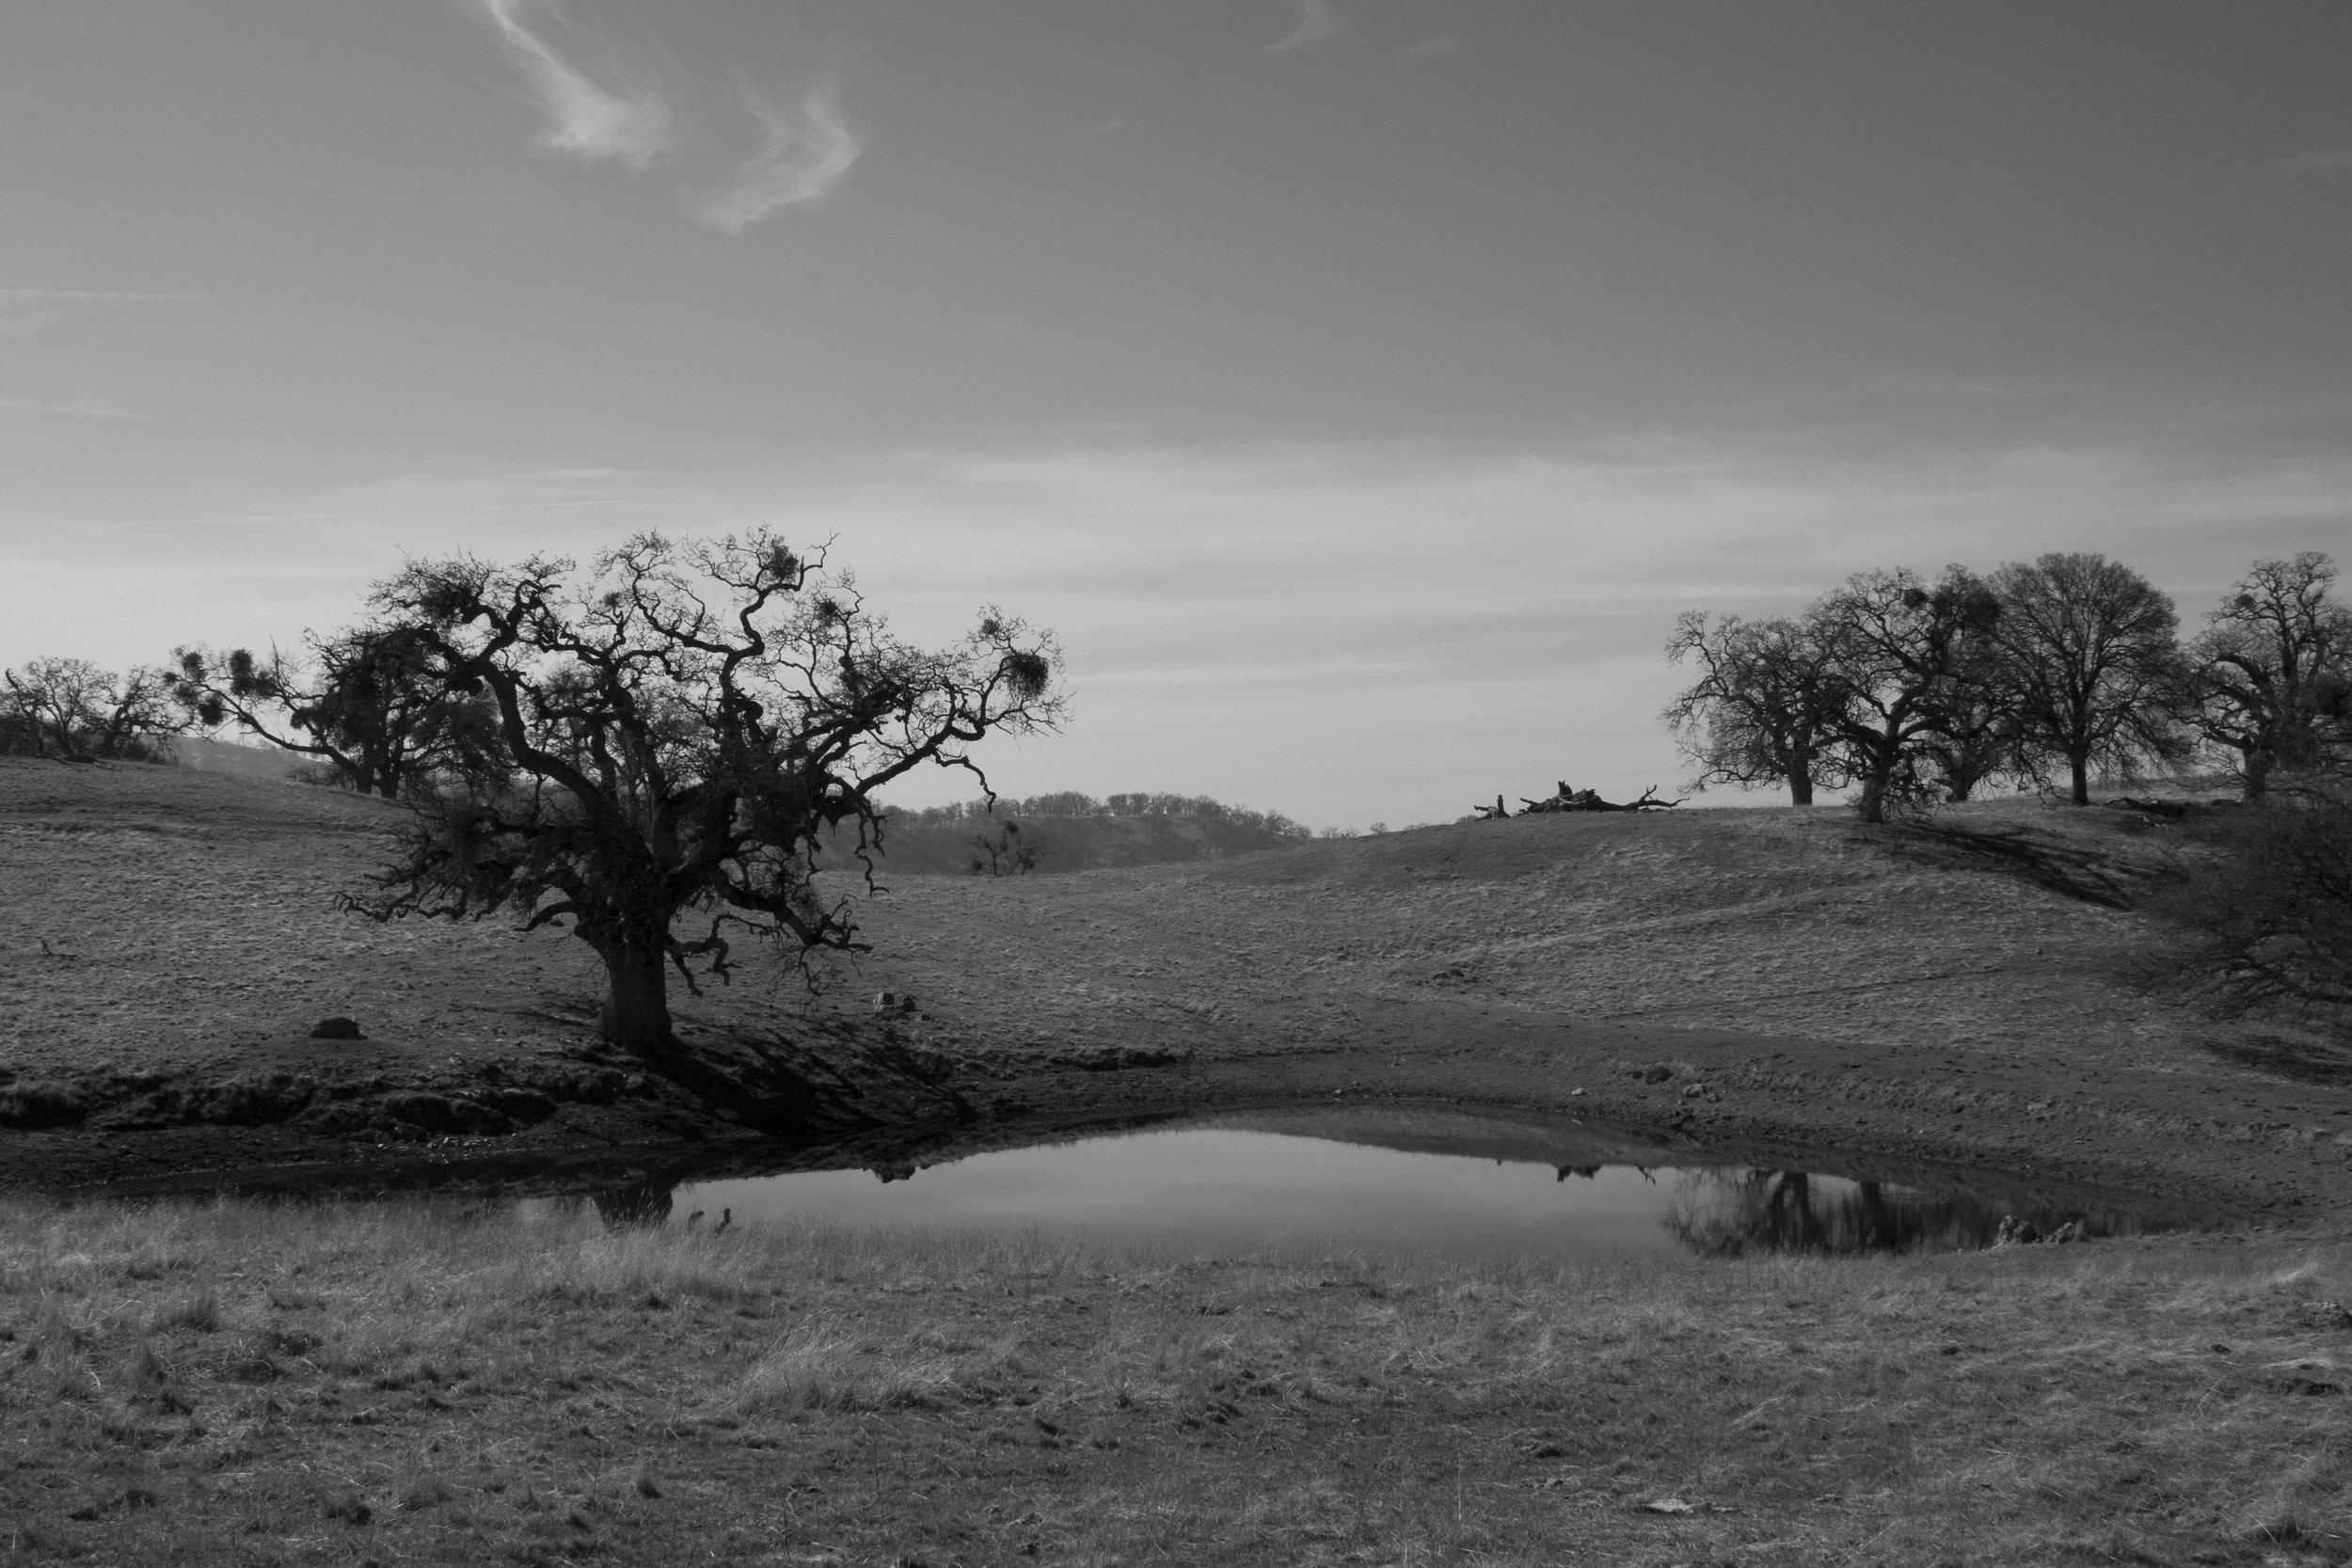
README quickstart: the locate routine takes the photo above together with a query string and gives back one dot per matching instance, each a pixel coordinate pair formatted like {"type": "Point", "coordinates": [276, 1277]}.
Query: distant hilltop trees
{"type": "Point", "coordinates": [1072, 803]}
{"type": "Point", "coordinates": [1070, 832]}
{"type": "Point", "coordinates": [2046, 672]}
{"type": "Point", "coordinates": [72, 709]}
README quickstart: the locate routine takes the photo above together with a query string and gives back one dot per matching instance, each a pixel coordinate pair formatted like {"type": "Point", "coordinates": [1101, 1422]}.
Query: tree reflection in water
{"type": "Point", "coordinates": [1724, 1213]}
{"type": "Point", "coordinates": [640, 1200]}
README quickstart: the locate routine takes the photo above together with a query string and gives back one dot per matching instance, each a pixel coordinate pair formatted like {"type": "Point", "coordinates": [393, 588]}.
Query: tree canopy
{"type": "Point", "coordinates": [1766, 705]}
{"type": "Point", "coordinates": [72, 709]}
{"type": "Point", "coordinates": [362, 701]}
{"type": "Point", "coordinates": [680, 725]}
{"type": "Point", "coordinates": [2271, 674]}
{"type": "Point", "coordinates": [1914, 661]}
{"type": "Point", "coordinates": [2065, 665]}
{"type": "Point", "coordinates": [2092, 672]}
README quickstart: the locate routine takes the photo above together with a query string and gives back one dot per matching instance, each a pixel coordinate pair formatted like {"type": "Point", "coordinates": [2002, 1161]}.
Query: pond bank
{"type": "Point", "coordinates": [892, 1099]}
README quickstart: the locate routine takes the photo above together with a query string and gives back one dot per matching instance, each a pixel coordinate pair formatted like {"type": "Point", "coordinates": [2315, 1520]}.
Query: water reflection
{"type": "Point", "coordinates": [1229, 1189]}
{"type": "Point", "coordinates": [638, 1200]}
{"type": "Point", "coordinates": [1455, 1179]}
{"type": "Point", "coordinates": [1725, 1213]}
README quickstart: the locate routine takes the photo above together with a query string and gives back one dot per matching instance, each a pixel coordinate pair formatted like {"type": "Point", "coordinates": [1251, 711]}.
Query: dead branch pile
{"type": "Point", "coordinates": [1576, 799]}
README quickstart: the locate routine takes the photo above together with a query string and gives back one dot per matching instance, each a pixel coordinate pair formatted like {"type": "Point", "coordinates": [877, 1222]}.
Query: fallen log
{"type": "Point", "coordinates": [1586, 799]}
{"type": "Point", "coordinates": [2174, 809]}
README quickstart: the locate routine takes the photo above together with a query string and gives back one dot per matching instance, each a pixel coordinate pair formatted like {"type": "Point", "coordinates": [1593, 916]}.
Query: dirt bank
{"type": "Point", "coordinates": [168, 940]}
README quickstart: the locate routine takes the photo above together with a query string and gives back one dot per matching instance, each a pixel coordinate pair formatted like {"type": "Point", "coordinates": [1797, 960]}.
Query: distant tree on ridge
{"type": "Point", "coordinates": [362, 701]}
{"type": "Point", "coordinates": [1766, 705]}
{"type": "Point", "coordinates": [2270, 683]}
{"type": "Point", "coordinates": [1914, 659]}
{"type": "Point", "coordinates": [72, 709]}
{"type": "Point", "coordinates": [2093, 667]}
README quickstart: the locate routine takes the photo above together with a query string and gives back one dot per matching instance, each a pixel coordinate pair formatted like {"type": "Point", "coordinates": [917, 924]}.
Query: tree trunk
{"type": "Point", "coordinates": [1871, 804]}
{"type": "Point", "coordinates": [1800, 788]}
{"type": "Point", "coordinates": [379, 773]}
{"type": "Point", "coordinates": [636, 1012]}
{"type": "Point", "coordinates": [2081, 767]}
{"type": "Point", "coordinates": [2257, 772]}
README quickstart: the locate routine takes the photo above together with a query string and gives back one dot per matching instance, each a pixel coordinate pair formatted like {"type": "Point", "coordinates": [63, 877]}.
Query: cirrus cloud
{"type": "Point", "coordinates": [799, 159]}
{"type": "Point", "coordinates": [27, 309]}
{"type": "Point", "coordinates": [1317, 21]}
{"type": "Point", "coordinates": [625, 123]}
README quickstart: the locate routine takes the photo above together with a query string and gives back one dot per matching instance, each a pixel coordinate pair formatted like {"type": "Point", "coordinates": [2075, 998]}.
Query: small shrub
{"type": "Point", "coordinates": [41, 1104]}
{"type": "Point", "coordinates": [2266, 914]}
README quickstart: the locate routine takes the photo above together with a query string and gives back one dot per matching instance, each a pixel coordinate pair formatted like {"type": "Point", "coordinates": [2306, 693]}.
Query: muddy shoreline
{"type": "Point", "coordinates": [885, 1097]}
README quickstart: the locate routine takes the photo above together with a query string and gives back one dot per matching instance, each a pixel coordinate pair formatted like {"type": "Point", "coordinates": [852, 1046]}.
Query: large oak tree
{"type": "Point", "coordinates": [1766, 705]}
{"type": "Point", "coordinates": [1914, 661]}
{"type": "Point", "coordinates": [684, 724]}
{"type": "Point", "coordinates": [2091, 666]}
{"type": "Point", "coordinates": [2272, 673]}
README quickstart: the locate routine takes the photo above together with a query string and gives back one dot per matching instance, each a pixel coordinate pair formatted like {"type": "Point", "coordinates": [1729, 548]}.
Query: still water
{"type": "Point", "coordinates": [1229, 1189]}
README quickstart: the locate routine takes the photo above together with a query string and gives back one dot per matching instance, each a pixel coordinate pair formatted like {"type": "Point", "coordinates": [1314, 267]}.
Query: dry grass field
{"type": "Point", "coordinates": [402, 1382]}
{"type": "Point", "coordinates": [240, 1384]}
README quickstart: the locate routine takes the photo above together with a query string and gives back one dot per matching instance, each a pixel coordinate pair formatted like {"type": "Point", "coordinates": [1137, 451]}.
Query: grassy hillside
{"type": "Point", "coordinates": [267, 762]}
{"type": "Point", "coordinates": [1946, 992]}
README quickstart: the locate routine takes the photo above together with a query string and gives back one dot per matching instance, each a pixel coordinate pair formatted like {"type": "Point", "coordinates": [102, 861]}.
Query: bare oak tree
{"type": "Point", "coordinates": [1765, 708]}
{"type": "Point", "coordinates": [363, 701]}
{"type": "Point", "coordinates": [2092, 665]}
{"type": "Point", "coordinates": [1914, 659]}
{"type": "Point", "coordinates": [72, 709]}
{"type": "Point", "coordinates": [686, 724]}
{"type": "Point", "coordinates": [2271, 682]}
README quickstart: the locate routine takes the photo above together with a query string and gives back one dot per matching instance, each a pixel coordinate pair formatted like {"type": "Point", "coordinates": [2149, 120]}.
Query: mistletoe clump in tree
{"type": "Point", "coordinates": [684, 725]}
{"type": "Point", "coordinates": [362, 701]}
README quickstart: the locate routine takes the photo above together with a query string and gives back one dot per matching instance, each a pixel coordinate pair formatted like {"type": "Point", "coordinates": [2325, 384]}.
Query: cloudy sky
{"type": "Point", "coordinates": [1359, 386]}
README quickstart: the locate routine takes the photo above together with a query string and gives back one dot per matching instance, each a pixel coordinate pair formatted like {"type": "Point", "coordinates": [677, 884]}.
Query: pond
{"type": "Point", "coordinates": [1442, 1182]}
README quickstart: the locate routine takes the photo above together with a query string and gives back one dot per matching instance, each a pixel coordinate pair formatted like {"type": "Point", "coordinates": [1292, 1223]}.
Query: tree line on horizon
{"type": "Point", "coordinates": [2045, 673]}
{"type": "Point", "coordinates": [681, 728]}
{"type": "Point", "coordinates": [1070, 802]}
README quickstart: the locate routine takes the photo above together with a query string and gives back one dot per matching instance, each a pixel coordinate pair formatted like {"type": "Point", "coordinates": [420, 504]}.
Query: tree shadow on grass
{"type": "Point", "coordinates": [2071, 871]}
{"type": "Point", "coordinates": [2304, 1061]}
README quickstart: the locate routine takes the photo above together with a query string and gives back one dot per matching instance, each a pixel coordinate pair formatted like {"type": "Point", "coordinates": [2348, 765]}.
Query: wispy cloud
{"type": "Point", "coordinates": [92, 409]}
{"type": "Point", "coordinates": [2322, 160]}
{"type": "Point", "coordinates": [82, 296]}
{"type": "Point", "coordinates": [801, 158]}
{"type": "Point", "coordinates": [627, 122]}
{"type": "Point", "coordinates": [25, 309]}
{"type": "Point", "coordinates": [1317, 21]}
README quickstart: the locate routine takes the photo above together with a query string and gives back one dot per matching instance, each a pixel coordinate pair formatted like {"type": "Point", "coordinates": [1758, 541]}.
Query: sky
{"type": "Point", "coordinates": [1359, 387]}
